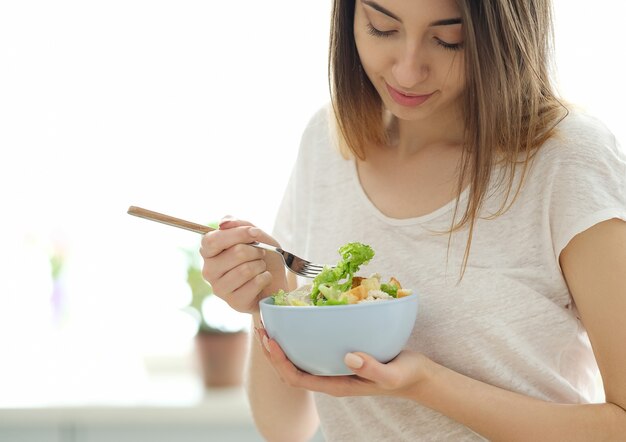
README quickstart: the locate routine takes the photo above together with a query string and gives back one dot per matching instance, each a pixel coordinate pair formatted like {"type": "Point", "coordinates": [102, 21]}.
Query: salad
{"type": "Point", "coordinates": [339, 286]}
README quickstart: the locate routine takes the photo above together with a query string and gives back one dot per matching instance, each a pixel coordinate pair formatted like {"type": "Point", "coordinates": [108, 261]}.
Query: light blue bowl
{"type": "Point", "coordinates": [316, 339]}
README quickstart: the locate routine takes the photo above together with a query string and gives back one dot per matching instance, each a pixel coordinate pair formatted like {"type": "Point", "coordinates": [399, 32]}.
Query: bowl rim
{"type": "Point", "coordinates": [266, 302]}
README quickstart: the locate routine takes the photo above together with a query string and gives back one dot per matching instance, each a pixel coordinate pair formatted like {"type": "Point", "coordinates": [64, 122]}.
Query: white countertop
{"type": "Point", "coordinates": [170, 404]}
{"type": "Point", "coordinates": [166, 399]}
{"type": "Point", "coordinates": [227, 407]}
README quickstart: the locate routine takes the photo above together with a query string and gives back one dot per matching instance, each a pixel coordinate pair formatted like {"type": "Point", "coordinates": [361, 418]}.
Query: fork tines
{"type": "Point", "coordinates": [310, 270]}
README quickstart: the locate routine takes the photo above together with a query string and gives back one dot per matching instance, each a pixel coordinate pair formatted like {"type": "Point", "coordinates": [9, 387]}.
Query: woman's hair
{"type": "Point", "coordinates": [509, 105]}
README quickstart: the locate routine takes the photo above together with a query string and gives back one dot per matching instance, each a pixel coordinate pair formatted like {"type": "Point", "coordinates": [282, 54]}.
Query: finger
{"type": "Point", "coordinates": [215, 242]}
{"type": "Point", "coordinates": [388, 376]}
{"type": "Point", "coordinates": [261, 236]}
{"type": "Point", "coordinates": [246, 298]}
{"type": "Point", "coordinates": [288, 373]}
{"type": "Point", "coordinates": [245, 271]}
{"type": "Point", "coordinates": [236, 280]}
{"type": "Point", "coordinates": [230, 259]}
{"type": "Point", "coordinates": [263, 339]}
{"type": "Point", "coordinates": [294, 377]}
{"type": "Point", "coordinates": [228, 222]}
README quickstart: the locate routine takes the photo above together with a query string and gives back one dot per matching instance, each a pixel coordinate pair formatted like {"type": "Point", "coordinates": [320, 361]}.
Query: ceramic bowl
{"type": "Point", "coordinates": [316, 339]}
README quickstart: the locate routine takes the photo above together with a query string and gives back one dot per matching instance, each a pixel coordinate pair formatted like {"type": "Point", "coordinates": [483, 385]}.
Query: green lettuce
{"type": "Point", "coordinates": [391, 290]}
{"type": "Point", "coordinates": [280, 297]}
{"type": "Point", "coordinates": [333, 281]}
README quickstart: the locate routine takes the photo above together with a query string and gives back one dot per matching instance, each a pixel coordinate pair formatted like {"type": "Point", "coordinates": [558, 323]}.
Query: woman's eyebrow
{"type": "Point", "coordinates": [446, 22]}
{"type": "Point", "coordinates": [379, 8]}
{"type": "Point", "coordinates": [443, 22]}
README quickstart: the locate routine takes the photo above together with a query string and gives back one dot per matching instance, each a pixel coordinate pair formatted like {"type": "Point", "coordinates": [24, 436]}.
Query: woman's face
{"type": "Point", "coordinates": [412, 52]}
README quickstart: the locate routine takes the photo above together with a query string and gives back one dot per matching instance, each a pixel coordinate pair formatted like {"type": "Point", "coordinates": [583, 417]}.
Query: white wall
{"type": "Point", "coordinates": [590, 58]}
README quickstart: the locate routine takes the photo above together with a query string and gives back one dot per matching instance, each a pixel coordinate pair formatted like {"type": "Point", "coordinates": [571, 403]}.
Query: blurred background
{"type": "Point", "coordinates": [190, 108]}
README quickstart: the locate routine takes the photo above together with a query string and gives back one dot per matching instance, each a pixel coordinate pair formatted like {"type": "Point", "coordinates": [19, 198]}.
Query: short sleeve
{"type": "Point", "coordinates": [292, 216]}
{"type": "Point", "coordinates": [587, 179]}
{"type": "Point", "coordinates": [284, 222]}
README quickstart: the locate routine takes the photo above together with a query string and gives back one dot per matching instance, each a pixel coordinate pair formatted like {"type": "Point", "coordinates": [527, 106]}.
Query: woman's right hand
{"type": "Point", "coordinates": [240, 274]}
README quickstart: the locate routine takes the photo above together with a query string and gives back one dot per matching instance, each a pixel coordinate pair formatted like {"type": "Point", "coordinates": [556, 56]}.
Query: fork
{"type": "Point", "coordinates": [294, 263]}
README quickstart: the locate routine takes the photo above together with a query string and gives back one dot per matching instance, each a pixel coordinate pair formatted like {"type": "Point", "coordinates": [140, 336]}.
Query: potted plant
{"type": "Point", "coordinates": [222, 336]}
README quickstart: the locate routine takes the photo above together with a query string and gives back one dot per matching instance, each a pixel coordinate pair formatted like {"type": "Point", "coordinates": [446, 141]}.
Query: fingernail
{"type": "Point", "coordinates": [257, 333]}
{"type": "Point", "coordinates": [266, 343]}
{"type": "Point", "coordinates": [254, 231]}
{"type": "Point", "coordinates": [226, 219]}
{"type": "Point", "coordinates": [353, 361]}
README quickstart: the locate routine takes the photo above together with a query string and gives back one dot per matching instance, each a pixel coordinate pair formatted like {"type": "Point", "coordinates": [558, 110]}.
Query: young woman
{"type": "Point", "coordinates": [447, 150]}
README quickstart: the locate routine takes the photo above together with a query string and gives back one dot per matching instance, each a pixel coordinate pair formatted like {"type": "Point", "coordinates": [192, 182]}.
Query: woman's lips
{"type": "Point", "coordinates": [407, 100]}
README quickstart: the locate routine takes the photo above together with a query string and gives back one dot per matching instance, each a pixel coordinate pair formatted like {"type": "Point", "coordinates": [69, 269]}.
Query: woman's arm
{"type": "Point", "coordinates": [242, 275]}
{"type": "Point", "coordinates": [281, 413]}
{"type": "Point", "coordinates": [594, 265]}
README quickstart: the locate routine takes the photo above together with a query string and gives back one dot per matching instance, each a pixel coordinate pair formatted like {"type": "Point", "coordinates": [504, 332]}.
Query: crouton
{"type": "Point", "coordinates": [403, 292]}
{"type": "Point", "coordinates": [356, 281]}
{"type": "Point", "coordinates": [359, 292]}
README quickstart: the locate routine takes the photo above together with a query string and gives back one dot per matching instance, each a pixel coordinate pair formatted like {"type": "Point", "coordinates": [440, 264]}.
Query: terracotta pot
{"type": "Point", "coordinates": [221, 358]}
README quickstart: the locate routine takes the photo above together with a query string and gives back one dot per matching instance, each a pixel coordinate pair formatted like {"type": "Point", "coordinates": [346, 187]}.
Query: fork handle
{"type": "Point", "coordinates": [183, 224]}
{"type": "Point", "coordinates": [169, 220]}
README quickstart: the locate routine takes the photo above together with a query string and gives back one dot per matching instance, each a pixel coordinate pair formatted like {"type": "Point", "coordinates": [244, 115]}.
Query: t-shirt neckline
{"type": "Point", "coordinates": [448, 207]}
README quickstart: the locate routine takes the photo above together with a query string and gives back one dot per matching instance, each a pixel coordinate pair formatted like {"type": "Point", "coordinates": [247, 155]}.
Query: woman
{"type": "Point", "coordinates": [449, 153]}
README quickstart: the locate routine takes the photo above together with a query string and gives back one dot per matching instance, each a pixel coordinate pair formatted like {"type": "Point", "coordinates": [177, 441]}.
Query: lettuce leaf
{"type": "Point", "coordinates": [338, 279]}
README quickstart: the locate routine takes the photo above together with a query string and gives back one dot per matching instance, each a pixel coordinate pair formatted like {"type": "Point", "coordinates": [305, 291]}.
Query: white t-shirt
{"type": "Point", "coordinates": [511, 321]}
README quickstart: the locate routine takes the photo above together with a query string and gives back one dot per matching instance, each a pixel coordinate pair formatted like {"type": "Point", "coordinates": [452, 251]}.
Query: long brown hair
{"type": "Point", "coordinates": [509, 104]}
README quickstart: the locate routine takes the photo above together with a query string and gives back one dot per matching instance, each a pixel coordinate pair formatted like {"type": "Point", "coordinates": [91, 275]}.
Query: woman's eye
{"type": "Point", "coordinates": [449, 46]}
{"type": "Point", "coordinates": [378, 33]}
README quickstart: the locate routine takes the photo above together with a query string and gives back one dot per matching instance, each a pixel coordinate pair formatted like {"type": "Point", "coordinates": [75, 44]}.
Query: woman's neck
{"type": "Point", "coordinates": [408, 138]}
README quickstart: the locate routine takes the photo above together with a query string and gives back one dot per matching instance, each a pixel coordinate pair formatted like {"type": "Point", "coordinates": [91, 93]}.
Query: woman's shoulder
{"type": "Point", "coordinates": [577, 178]}
{"type": "Point", "coordinates": [579, 137]}
{"type": "Point", "coordinates": [581, 146]}
{"type": "Point", "coordinates": [581, 149]}
{"type": "Point", "coordinates": [319, 136]}
{"type": "Point", "coordinates": [319, 123]}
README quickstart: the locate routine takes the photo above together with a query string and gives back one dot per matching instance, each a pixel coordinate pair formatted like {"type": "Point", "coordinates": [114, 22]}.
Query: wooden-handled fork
{"type": "Point", "coordinates": [294, 263]}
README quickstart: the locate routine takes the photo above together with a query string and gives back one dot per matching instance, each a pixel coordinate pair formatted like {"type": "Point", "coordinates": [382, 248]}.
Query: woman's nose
{"type": "Point", "coordinates": [410, 67]}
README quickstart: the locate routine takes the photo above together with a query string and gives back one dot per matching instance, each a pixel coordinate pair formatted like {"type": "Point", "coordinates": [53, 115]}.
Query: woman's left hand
{"type": "Point", "coordinates": [400, 377]}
